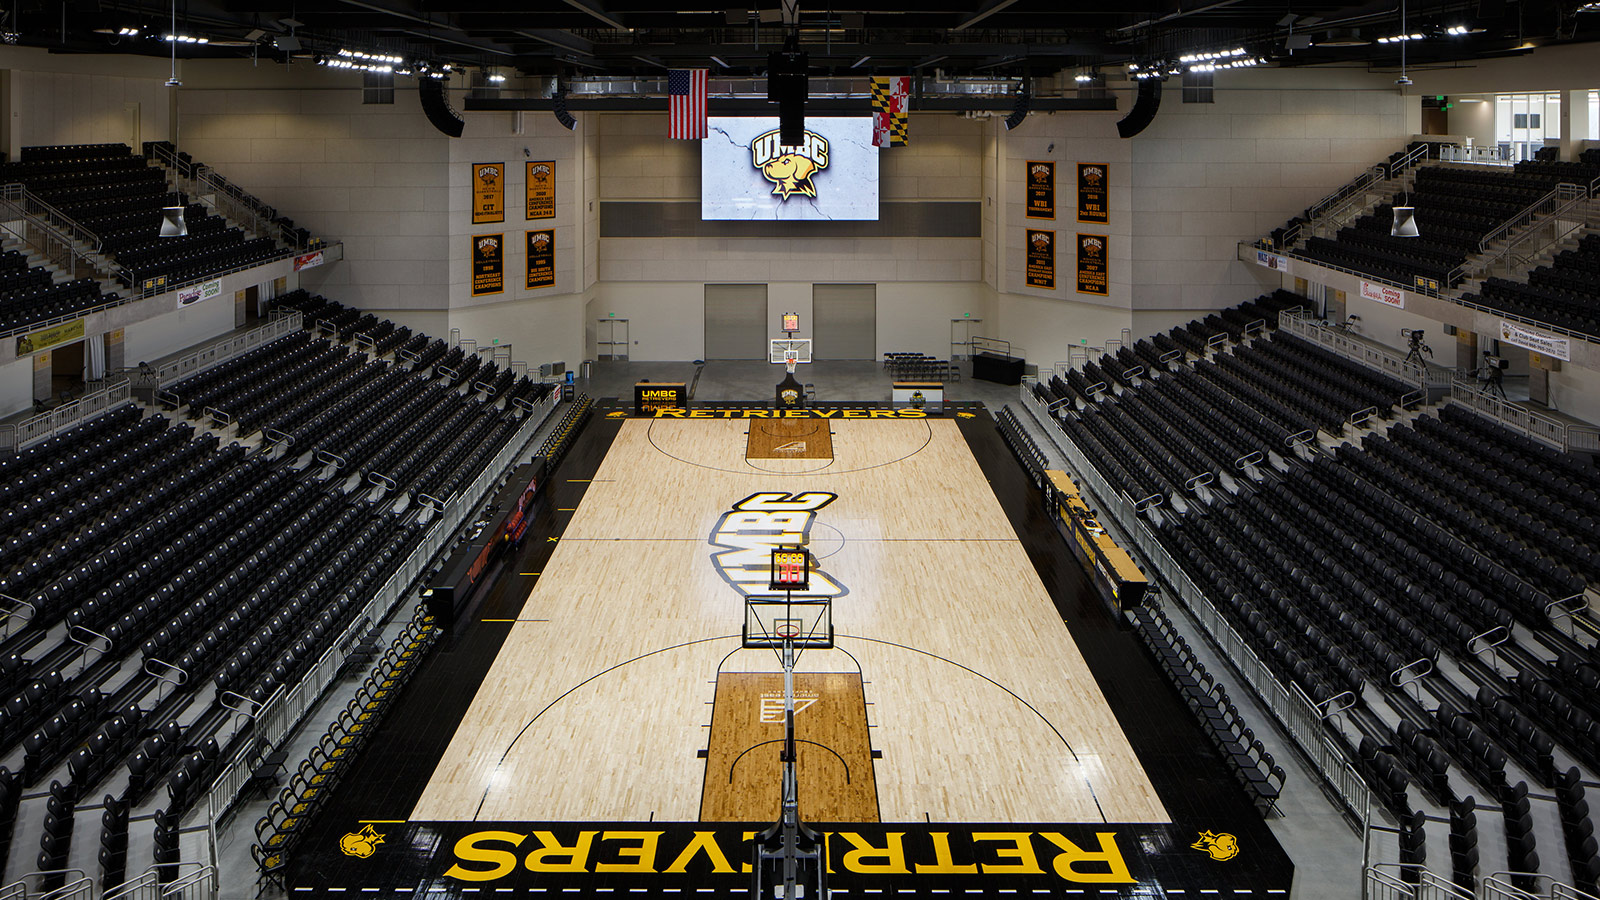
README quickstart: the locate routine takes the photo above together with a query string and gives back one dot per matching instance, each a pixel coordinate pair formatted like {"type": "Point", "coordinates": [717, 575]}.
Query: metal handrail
{"type": "Point", "coordinates": [1355, 191]}
{"type": "Point", "coordinates": [1560, 193]}
{"type": "Point", "coordinates": [257, 214]}
{"type": "Point", "coordinates": [1302, 324]}
{"type": "Point", "coordinates": [1517, 259]}
{"type": "Point", "coordinates": [227, 348]}
{"type": "Point", "coordinates": [115, 393]}
{"type": "Point", "coordinates": [1565, 436]}
{"type": "Point", "coordinates": [57, 220]}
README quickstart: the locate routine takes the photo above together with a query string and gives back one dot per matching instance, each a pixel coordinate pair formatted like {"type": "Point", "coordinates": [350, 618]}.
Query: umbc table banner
{"type": "Point", "coordinates": [470, 859]}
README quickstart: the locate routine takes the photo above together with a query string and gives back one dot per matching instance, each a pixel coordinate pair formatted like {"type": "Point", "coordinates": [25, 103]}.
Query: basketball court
{"type": "Point", "coordinates": [954, 692]}
{"type": "Point", "coordinates": [612, 718]}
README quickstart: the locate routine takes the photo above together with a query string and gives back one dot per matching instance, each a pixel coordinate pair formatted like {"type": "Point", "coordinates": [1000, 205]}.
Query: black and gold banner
{"type": "Point", "coordinates": [541, 258]}
{"type": "Point", "coordinates": [541, 190]}
{"type": "Point", "coordinates": [488, 264]}
{"type": "Point", "coordinates": [585, 858]}
{"type": "Point", "coordinates": [1093, 180]}
{"type": "Point", "coordinates": [488, 193]}
{"type": "Point", "coordinates": [1092, 265]}
{"type": "Point", "coordinates": [1041, 258]}
{"type": "Point", "coordinates": [1041, 189]}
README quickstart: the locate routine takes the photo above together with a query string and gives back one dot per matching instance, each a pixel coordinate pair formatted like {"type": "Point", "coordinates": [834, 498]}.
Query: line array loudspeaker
{"type": "Point", "coordinates": [437, 107]}
{"type": "Point", "coordinates": [787, 86]}
{"type": "Point", "coordinates": [1144, 108]}
{"type": "Point", "coordinates": [1019, 112]}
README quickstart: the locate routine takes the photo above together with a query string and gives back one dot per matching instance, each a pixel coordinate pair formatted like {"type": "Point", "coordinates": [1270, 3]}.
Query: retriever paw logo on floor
{"type": "Point", "coordinates": [360, 844]}
{"type": "Point", "coordinates": [1221, 847]}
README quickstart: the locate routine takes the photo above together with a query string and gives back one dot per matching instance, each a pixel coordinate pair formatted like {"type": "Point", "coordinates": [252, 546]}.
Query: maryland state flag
{"type": "Point", "coordinates": [891, 99]}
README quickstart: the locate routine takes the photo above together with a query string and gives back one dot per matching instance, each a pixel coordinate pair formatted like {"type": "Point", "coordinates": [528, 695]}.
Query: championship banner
{"type": "Point", "coordinates": [1542, 342]}
{"type": "Point", "coordinates": [488, 193]}
{"type": "Point", "coordinates": [1041, 189]}
{"type": "Point", "coordinates": [45, 338]}
{"type": "Point", "coordinates": [1041, 266]}
{"type": "Point", "coordinates": [541, 190]}
{"type": "Point", "coordinates": [891, 103]}
{"type": "Point", "coordinates": [488, 264]}
{"type": "Point", "coordinates": [1092, 265]}
{"type": "Point", "coordinates": [1093, 180]}
{"type": "Point", "coordinates": [541, 258]}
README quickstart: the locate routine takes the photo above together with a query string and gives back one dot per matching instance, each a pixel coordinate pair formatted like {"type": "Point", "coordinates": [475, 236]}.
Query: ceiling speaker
{"type": "Point", "coordinates": [172, 222]}
{"type": "Point", "coordinates": [1405, 222]}
{"type": "Point", "coordinates": [1144, 108]}
{"type": "Point", "coordinates": [1019, 112]}
{"type": "Point", "coordinates": [787, 86]}
{"type": "Point", "coordinates": [558, 105]}
{"type": "Point", "coordinates": [436, 106]}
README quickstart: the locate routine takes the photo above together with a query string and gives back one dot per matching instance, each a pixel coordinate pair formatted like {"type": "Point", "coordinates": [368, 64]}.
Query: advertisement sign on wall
{"type": "Point", "coordinates": [1382, 293]}
{"type": "Point", "coordinates": [1519, 335]}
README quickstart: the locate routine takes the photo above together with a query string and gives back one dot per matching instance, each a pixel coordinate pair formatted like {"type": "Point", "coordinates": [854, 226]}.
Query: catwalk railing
{"type": "Point", "coordinates": [281, 714]}
{"type": "Point", "coordinates": [193, 363]}
{"type": "Point", "coordinates": [1303, 325]}
{"type": "Point", "coordinates": [1566, 436]}
{"type": "Point", "coordinates": [1299, 717]}
{"type": "Point", "coordinates": [114, 393]}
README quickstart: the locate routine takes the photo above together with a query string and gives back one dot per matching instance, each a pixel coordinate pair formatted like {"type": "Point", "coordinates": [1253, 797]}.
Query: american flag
{"type": "Point", "coordinates": [687, 90]}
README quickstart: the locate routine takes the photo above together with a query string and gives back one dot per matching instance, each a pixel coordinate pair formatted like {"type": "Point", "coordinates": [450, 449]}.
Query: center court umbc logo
{"type": "Point", "coordinates": [760, 522]}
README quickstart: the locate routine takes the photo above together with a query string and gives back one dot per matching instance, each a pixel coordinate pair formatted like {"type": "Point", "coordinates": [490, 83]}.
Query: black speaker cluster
{"type": "Point", "coordinates": [1019, 111]}
{"type": "Point", "coordinates": [436, 106]}
{"type": "Point", "coordinates": [1144, 108]}
{"type": "Point", "coordinates": [787, 87]}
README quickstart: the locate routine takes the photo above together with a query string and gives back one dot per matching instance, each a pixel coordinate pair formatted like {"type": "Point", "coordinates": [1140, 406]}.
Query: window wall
{"type": "Point", "coordinates": [1523, 123]}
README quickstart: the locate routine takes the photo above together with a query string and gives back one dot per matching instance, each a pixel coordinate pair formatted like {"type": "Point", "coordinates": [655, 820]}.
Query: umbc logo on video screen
{"type": "Point", "coordinates": [790, 169]}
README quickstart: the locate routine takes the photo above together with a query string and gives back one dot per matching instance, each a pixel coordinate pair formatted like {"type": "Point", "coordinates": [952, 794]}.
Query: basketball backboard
{"type": "Point", "coordinates": [802, 346]}
{"type": "Point", "coordinates": [807, 622]}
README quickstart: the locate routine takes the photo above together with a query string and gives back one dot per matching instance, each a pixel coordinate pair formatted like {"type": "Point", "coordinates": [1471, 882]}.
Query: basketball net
{"type": "Point", "coordinates": [790, 357]}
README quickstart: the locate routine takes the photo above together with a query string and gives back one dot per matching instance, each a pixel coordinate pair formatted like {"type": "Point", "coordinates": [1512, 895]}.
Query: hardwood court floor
{"type": "Point", "coordinates": [977, 696]}
{"type": "Point", "coordinates": [833, 753]}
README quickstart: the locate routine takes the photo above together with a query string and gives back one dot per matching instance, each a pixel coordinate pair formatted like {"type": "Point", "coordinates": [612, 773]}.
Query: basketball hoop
{"type": "Point", "coordinates": [790, 358]}
{"type": "Point", "coordinates": [786, 629]}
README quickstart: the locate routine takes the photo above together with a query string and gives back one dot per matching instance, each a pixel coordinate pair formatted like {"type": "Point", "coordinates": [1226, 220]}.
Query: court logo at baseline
{"type": "Point", "coordinates": [749, 531]}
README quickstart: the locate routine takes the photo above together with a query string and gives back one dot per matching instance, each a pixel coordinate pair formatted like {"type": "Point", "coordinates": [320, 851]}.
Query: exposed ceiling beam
{"type": "Point", "coordinates": [594, 8]}
{"type": "Point", "coordinates": [984, 12]}
{"type": "Point", "coordinates": [555, 37]}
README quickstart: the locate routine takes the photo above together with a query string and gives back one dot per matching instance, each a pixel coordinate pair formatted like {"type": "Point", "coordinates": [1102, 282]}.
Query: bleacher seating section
{"type": "Point", "coordinates": [118, 196]}
{"type": "Point", "coordinates": [29, 295]}
{"type": "Point", "coordinates": [1565, 293]}
{"type": "Point", "coordinates": [1412, 578]}
{"type": "Point", "coordinates": [1456, 206]}
{"type": "Point", "coordinates": [162, 579]}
